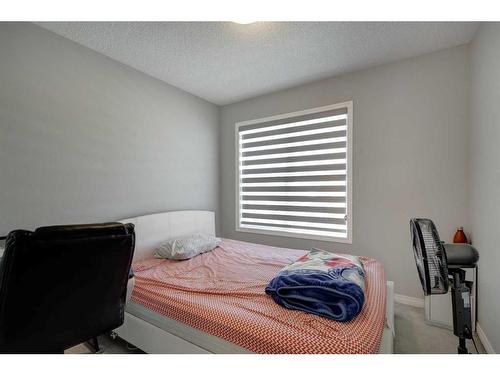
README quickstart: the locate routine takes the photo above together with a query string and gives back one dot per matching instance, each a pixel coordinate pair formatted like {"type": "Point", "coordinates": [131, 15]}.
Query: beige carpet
{"type": "Point", "coordinates": [413, 336]}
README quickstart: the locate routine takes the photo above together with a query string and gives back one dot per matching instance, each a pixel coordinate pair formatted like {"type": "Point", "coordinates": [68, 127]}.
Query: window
{"type": "Point", "coordinates": [294, 174]}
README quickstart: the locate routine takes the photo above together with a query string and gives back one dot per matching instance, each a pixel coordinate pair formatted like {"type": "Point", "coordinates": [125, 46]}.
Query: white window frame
{"type": "Point", "coordinates": [348, 240]}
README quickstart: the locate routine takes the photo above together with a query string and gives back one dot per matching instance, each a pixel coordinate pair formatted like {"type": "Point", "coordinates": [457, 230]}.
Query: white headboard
{"type": "Point", "coordinates": [151, 230]}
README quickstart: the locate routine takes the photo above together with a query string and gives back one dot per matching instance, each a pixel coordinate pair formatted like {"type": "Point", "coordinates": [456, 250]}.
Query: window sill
{"type": "Point", "coordinates": [295, 235]}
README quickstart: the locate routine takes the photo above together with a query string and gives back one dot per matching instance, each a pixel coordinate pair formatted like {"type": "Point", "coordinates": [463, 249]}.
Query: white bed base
{"type": "Point", "coordinates": [154, 340]}
{"type": "Point", "coordinates": [153, 229]}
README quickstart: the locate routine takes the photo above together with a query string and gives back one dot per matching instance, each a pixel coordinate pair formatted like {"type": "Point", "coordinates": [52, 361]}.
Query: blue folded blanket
{"type": "Point", "coordinates": [321, 283]}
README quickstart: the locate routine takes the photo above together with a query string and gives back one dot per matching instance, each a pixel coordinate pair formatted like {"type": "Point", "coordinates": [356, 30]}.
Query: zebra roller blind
{"type": "Point", "coordinates": [294, 174]}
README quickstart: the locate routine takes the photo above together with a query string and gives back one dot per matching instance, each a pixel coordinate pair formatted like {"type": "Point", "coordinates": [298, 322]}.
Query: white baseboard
{"type": "Point", "coordinates": [484, 340]}
{"type": "Point", "coordinates": [407, 300]}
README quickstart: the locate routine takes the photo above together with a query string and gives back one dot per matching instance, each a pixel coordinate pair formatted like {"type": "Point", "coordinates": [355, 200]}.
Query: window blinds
{"type": "Point", "coordinates": [293, 174]}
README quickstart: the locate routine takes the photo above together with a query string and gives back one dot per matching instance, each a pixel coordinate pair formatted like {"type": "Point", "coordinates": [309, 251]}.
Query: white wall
{"type": "Point", "coordinates": [484, 178]}
{"type": "Point", "coordinates": [410, 137]}
{"type": "Point", "coordinates": [84, 138]}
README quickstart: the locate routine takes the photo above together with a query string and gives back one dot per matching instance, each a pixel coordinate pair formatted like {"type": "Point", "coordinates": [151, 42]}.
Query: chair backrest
{"type": "Point", "coordinates": [63, 285]}
{"type": "Point", "coordinates": [430, 256]}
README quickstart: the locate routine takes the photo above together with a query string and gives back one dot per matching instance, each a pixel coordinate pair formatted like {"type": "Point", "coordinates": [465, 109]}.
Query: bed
{"type": "Point", "coordinates": [215, 303]}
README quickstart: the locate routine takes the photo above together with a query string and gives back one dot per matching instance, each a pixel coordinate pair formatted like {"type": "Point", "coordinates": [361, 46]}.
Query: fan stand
{"type": "Point", "coordinates": [460, 295]}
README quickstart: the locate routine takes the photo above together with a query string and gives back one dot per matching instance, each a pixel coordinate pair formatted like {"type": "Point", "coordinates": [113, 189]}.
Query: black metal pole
{"type": "Point", "coordinates": [461, 309]}
{"type": "Point", "coordinates": [462, 348]}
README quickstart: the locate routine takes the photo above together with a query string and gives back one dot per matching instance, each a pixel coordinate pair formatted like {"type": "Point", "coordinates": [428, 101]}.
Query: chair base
{"type": "Point", "coordinates": [93, 344]}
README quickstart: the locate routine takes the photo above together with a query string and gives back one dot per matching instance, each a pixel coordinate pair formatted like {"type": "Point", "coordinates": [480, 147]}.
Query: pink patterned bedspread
{"type": "Point", "coordinates": [222, 293]}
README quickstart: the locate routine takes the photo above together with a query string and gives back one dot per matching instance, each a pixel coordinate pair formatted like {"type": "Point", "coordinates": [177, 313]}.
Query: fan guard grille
{"type": "Point", "coordinates": [430, 256]}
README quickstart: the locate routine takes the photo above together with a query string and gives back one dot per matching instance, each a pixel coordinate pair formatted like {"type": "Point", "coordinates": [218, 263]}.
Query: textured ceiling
{"type": "Point", "coordinates": [224, 62]}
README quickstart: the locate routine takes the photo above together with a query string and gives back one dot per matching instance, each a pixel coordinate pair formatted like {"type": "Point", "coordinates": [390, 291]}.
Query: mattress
{"type": "Point", "coordinates": [206, 341]}
{"type": "Point", "coordinates": [221, 294]}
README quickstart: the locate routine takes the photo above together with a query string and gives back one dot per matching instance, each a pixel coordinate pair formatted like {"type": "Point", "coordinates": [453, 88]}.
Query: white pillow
{"type": "Point", "coordinates": [186, 247]}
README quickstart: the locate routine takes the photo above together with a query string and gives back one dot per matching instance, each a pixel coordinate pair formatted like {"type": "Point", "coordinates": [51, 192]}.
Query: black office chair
{"type": "Point", "coordinates": [63, 285]}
